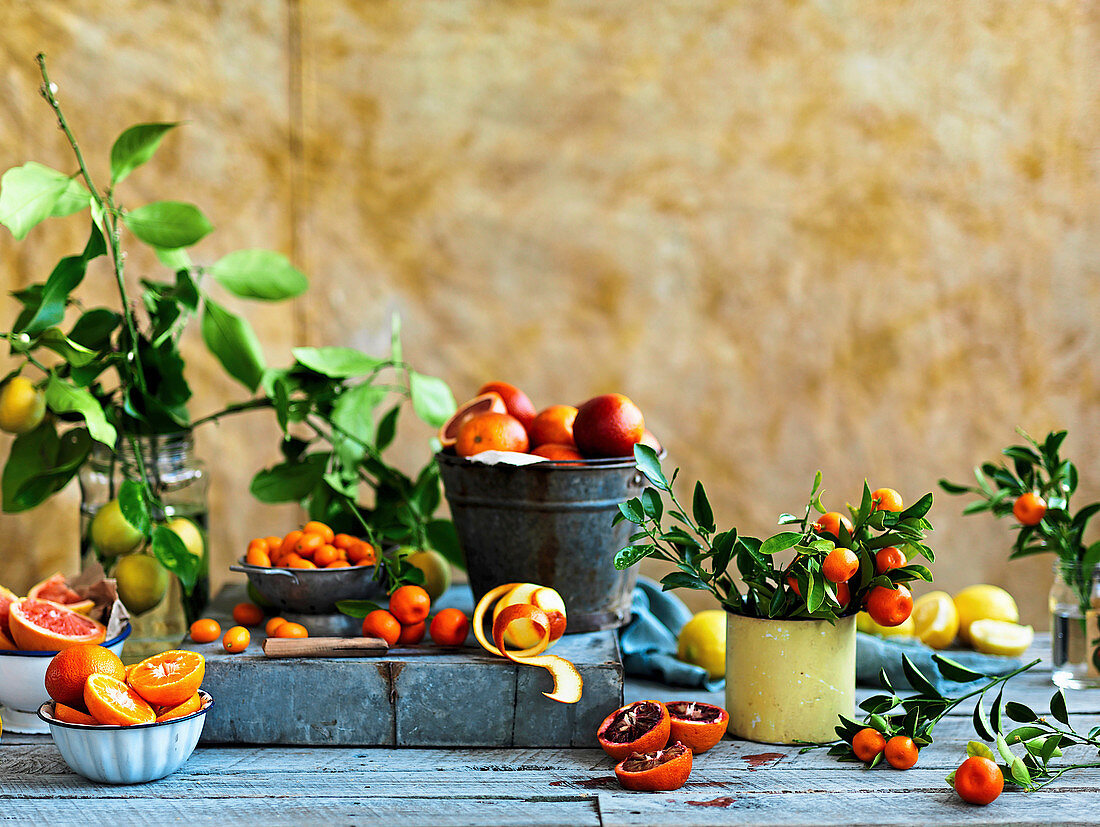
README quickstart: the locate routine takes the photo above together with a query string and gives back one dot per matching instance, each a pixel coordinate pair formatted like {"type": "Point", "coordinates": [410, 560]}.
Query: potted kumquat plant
{"type": "Point", "coordinates": [790, 629]}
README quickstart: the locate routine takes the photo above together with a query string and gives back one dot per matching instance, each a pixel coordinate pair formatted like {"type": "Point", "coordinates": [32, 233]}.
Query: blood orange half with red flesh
{"type": "Point", "coordinates": [642, 726]}
{"type": "Point", "coordinates": [39, 625]}
{"type": "Point", "coordinates": [697, 725]}
{"type": "Point", "coordinates": [56, 588]}
{"type": "Point", "coordinates": [659, 771]}
{"type": "Point", "coordinates": [7, 597]}
{"type": "Point", "coordinates": [489, 402]}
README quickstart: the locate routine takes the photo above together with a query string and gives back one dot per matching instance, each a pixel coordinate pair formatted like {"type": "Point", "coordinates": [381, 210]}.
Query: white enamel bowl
{"type": "Point", "coordinates": [127, 754]}
{"type": "Point", "coordinates": [23, 684]}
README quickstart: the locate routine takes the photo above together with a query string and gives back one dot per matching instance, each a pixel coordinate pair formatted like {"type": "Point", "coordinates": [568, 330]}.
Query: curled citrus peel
{"type": "Point", "coordinates": [567, 680]}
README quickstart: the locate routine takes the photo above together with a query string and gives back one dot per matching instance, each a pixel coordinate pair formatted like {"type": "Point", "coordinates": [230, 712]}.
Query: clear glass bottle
{"type": "Point", "coordinates": [1074, 629]}
{"type": "Point", "coordinates": [180, 479]}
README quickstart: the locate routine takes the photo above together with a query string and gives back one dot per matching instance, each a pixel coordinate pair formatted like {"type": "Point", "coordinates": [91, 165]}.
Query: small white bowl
{"type": "Point", "coordinates": [127, 754]}
{"type": "Point", "coordinates": [23, 684]}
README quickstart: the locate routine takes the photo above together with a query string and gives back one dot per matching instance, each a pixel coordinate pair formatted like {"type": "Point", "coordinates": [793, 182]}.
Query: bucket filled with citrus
{"type": "Point", "coordinates": [533, 495]}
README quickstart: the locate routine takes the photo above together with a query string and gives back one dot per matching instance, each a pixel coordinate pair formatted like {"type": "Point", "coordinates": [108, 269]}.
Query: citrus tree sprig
{"type": "Point", "coordinates": [1040, 474]}
{"type": "Point", "coordinates": [915, 715]}
{"type": "Point", "coordinates": [702, 554]}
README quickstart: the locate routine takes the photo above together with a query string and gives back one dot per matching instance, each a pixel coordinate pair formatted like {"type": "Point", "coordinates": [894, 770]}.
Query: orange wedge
{"type": "Point", "coordinates": [72, 716]}
{"type": "Point", "coordinates": [112, 702]}
{"type": "Point", "coordinates": [192, 704]}
{"type": "Point", "coordinates": [168, 679]}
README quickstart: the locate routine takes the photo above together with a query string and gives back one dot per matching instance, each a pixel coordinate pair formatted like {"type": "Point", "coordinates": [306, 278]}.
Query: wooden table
{"type": "Point", "coordinates": [735, 783]}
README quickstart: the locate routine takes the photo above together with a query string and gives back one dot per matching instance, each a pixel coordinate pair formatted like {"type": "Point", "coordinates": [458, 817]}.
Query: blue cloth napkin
{"type": "Point", "coordinates": [648, 642]}
{"type": "Point", "coordinates": [874, 653]}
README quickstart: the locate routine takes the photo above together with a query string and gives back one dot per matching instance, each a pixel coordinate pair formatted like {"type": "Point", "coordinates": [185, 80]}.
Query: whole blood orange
{"type": "Point", "coordinates": [42, 626]}
{"type": "Point", "coordinates": [110, 701]}
{"type": "Point", "coordinates": [491, 432]}
{"type": "Point", "coordinates": [659, 771]}
{"type": "Point", "coordinates": [67, 672]}
{"type": "Point", "coordinates": [170, 678]}
{"type": "Point", "coordinates": [608, 426]}
{"type": "Point", "coordinates": [516, 402]}
{"type": "Point", "coordinates": [698, 726]}
{"type": "Point", "coordinates": [642, 726]}
{"type": "Point", "coordinates": [554, 424]}
{"type": "Point", "coordinates": [56, 588]}
{"type": "Point", "coordinates": [490, 402]}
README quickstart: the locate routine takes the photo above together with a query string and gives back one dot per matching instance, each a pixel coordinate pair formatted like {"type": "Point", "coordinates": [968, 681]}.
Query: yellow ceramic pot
{"type": "Point", "coordinates": [788, 680]}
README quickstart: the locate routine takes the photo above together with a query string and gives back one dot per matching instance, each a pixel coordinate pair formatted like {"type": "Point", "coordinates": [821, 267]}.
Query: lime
{"type": "Point", "coordinates": [703, 642]}
{"type": "Point", "coordinates": [903, 629]}
{"type": "Point", "coordinates": [935, 620]}
{"type": "Point", "coordinates": [22, 406]}
{"type": "Point", "coordinates": [983, 602]}
{"type": "Point", "coordinates": [142, 582]}
{"type": "Point", "coordinates": [999, 637]}
{"type": "Point", "coordinates": [111, 534]}
{"type": "Point", "coordinates": [437, 571]}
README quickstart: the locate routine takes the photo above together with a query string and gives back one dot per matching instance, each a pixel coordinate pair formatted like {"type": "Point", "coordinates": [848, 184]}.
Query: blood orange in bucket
{"type": "Point", "coordinates": [42, 626]}
{"type": "Point", "coordinates": [483, 403]}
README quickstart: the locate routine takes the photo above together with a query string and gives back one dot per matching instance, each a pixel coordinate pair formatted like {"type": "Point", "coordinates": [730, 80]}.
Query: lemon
{"type": "Point", "coordinates": [436, 569]}
{"type": "Point", "coordinates": [864, 623]}
{"type": "Point", "coordinates": [22, 406]}
{"type": "Point", "coordinates": [111, 533]}
{"type": "Point", "coordinates": [142, 582]}
{"type": "Point", "coordinates": [935, 620]}
{"type": "Point", "coordinates": [703, 642]}
{"type": "Point", "coordinates": [191, 535]}
{"type": "Point", "coordinates": [999, 637]}
{"type": "Point", "coordinates": [983, 602]}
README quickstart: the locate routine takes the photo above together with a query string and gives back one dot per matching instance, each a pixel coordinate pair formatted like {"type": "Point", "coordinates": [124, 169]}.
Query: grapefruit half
{"type": "Point", "coordinates": [489, 402]}
{"type": "Point", "coordinates": [56, 589]}
{"type": "Point", "coordinates": [42, 626]}
{"type": "Point", "coordinates": [7, 597]}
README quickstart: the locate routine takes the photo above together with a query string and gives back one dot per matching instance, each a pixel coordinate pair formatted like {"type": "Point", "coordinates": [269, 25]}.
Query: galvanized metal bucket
{"type": "Point", "coordinates": [549, 524]}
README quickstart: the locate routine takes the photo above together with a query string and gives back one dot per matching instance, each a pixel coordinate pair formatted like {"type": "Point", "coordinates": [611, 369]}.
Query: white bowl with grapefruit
{"type": "Point", "coordinates": [32, 631]}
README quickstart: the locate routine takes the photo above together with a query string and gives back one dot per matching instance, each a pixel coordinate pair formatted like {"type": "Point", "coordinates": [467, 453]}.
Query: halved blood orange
{"type": "Point", "coordinates": [168, 679]}
{"type": "Point", "coordinates": [7, 597]}
{"type": "Point", "coordinates": [659, 771]}
{"type": "Point", "coordinates": [56, 588]}
{"type": "Point", "coordinates": [490, 402]}
{"type": "Point", "coordinates": [112, 702]}
{"type": "Point", "coordinates": [192, 704]}
{"type": "Point", "coordinates": [642, 726]}
{"type": "Point", "coordinates": [42, 626]}
{"type": "Point", "coordinates": [697, 725]}
{"type": "Point", "coordinates": [72, 716]}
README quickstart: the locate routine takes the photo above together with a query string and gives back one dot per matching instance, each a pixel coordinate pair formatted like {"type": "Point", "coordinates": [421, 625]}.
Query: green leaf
{"type": "Point", "coordinates": [134, 147]}
{"type": "Point", "coordinates": [919, 508]}
{"type": "Point", "coordinates": [817, 593]}
{"type": "Point", "coordinates": [68, 273]}
{"type": "Point", "coordinates": [1019, 773]}
{"type": "Point", "coordinates": [61, 397]}
{"type": "Point", "coordinates": [1024, 733]}
{"type": "Point", "coordinates": [40, 464]}
{"type": "Point", "coordinates": [700, 507]}
{"type": "Point", "coordinates": [387, 428]}
{"type": "Point", "coordinates": [1058, 707]}
{"type": "Point", "coordinates": [353, 412]}
{"type": "Point", "coordinates": [168, 224]}
{"type": "Point", "coordinates": [290, 481]}
{"type": "Point", "coordinates": [954, 671]}
{"type": "Point", "coordinates": [681, 580]}
{"type": "Point", "coordinates": [443, 538]}
{"type": "Point", "coordinates": [650, 465]}
{"type": "Point", "coordinates": [170, 550]}
{"type": "Point", "coordinates": [75, 354]}
{"type": "Point", "coordinates": [652, 504]}
{"type": "Point", "coordinates": [357, 608]}
{"type": "Point", "coordinates": [337, 362]}
{"type": "Point", "coordinates": [74, 199]}
{"type": "Point", "coordinates": [231, 339]}
{"type": "Point", "coordinates": [976, 749]}
{"type": "Point", "coordinates": [1002, 748]}
{"type": "Point", "coordinates": [93, 329]}
{"type": "Point", "coordinates": [917, 679]}
{"type": "Point", "coordinates": [259, 274]}
{"type": "Point", "coordinates": [28, 196]}
{"type": "Point", "coordinates": [432, 400]}
{"type": "Point", "coordinates": [627, 557]}
{"type": "Point", "coordinates": [1020, 713]}
{"type": "Point", "coordinates": [174, 259]}
{"type": "Point", "coordinates": [779, 542]}
{"type": "Point", "coordinates": [135, 508]}
{"type": "Point", "coordinates": [633, 511]}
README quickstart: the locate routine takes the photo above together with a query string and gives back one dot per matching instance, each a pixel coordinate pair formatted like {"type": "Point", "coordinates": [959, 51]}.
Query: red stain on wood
{"type": "Point", "coordinates": [762, 758]}
{"type": "Point", "coordinates": [726, 801]}
{"type": "Point", "coordinates": [589, 783]}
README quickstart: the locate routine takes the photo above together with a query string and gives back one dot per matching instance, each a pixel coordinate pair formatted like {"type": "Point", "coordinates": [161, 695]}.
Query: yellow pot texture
{"type": "Point", "coordinates": [788, 680]}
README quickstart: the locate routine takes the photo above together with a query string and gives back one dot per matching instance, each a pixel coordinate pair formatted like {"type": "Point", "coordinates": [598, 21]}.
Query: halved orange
{"type": "Point", "coordinates": [112, 702]}
{"type": "Point", "coordinates": [660, 771]}
{"type": "Point", "coordinates": [192, 704]}
{"type": "Point", "coordinates": [39, 625]}
{"type": "Point", "coordinates": [696, 725]}
{"type": "Point", "coordinates": [485, 403]}
{"type": "Point", "coordinates": [72, 716]}
{"type": "Point", "coordinates": [170, 678]}
{"type": "Point", "coordinates": [56, 588]}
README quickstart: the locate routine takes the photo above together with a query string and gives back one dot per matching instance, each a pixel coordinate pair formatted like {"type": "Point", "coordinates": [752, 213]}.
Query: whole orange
{"type": "Point", "coordinates": [449, 627]}
{"type": "Point", "coordinates": [979, 780]}
{"type": "Point", "coordinates": [886, 499]}
{"type": "Point", "coordinates": [830, 523]}
{"type": "Point", "coordinates": [840, 565]}
{"type": "Point", "coordinates": [888, 558]}
{"type": "Point", "coordinates": [608, 426]}
{"type": "Point", "coordinates": [491, 432]}
{"type": "Point", "coordinates": [868, 743]}
{"type": "Point", "coordinates": [205, 630]}
{"type": "Point", "coordinates": [70, 668]}
{"type": "Point", "coordinates": [1029, 508]}
{"type": "Point", "coordinates": [901, 752]}
{"type": "Point", "coordinates": [890, 607]}
{"type": "Point", "coordinates": [381, 624]}
{"type": "Point", "coordinates": [516, 401]}
{"type": "Point", "coordinates": [410, 604]}
{"type": "Point", "coordinates": [554, 424]}
{"type": "Point", "coordinates": [558, 451]}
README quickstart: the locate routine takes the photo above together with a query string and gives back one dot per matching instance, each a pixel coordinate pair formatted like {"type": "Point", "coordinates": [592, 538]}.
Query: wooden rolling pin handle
{"type": "Point", "coordinates": [323, 647]}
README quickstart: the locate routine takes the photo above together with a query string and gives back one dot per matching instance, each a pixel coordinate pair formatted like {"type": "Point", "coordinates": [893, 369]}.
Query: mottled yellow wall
{"type": "Point", "coordinates": [856, 236]}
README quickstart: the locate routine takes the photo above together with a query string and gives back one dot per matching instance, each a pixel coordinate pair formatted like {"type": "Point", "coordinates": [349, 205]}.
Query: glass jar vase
{"type": "Point", "coordinates": [161, 612]}
{"type": "Point", "coordinates": [1075, 626]}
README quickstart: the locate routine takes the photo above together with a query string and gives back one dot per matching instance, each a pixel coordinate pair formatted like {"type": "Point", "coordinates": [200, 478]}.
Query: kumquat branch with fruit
{"type": "Point", "coordinates": [840, 565]}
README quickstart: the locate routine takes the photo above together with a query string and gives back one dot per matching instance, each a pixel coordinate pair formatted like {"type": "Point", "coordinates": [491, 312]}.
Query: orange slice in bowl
{"type": "Point", "coordinates": [489, 402]}
{"type": "Point", "coordinates": [168, 679]}
{"type": "Point", "coordinates": [72, 716]}
{"type": "Point", "coordinates": [192, 704]}
{"type": "Point", "coordinates": [112, 702]}
{"type": "Point", "coordinates": [39, 625]}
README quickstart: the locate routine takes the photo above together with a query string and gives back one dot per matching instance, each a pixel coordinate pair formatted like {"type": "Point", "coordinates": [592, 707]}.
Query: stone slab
{"type": "Point", "coordinates": [410, 697]}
